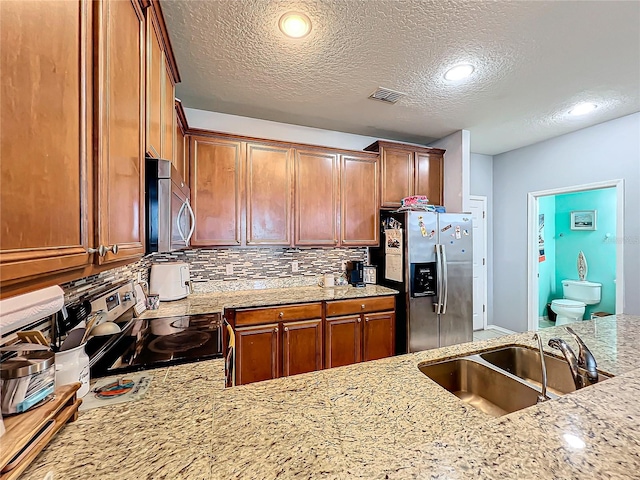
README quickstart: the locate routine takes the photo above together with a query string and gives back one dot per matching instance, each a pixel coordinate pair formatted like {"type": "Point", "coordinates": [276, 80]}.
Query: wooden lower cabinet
{"type": "Point", "coordinates": [257, 356]}
{"type": "Point", "coordinates": [301, 347]}
{"type": "Point", "coordinates": [343, 345]}
{"type": "Point", "coordinates": [276, 342]}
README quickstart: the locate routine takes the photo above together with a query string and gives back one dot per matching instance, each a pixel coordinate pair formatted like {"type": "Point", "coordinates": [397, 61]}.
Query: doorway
{"type": "Point", "coordinates": [478, 206]}
{"type": "Point", "coordinates": [556, 237]}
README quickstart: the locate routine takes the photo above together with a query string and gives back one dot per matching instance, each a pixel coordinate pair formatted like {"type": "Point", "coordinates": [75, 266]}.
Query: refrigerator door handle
{"type": "Point", "coordinates": [445, 279]}
{"type": "Point", "coordinates": [439, 285]}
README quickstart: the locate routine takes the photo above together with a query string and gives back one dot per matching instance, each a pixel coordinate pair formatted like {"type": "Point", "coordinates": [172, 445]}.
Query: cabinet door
{"type": "Point", "coordinates": [316, 198]}
{"type": "Point", "coordinates": [216, 191]}
{"type": "Point", "coordinates": [359, 216]}
{"type": "Point", "coordinates": [120, 107]}
{"type": "Point", "coordinates": [182, 145]}
{"type": "Point", "coordinates": [342, 343]}
{"type": "Point", "coordinates": [397, 175]}
{"type": "Point", "coordinates": [256, 353]}
{"type": "Point", "coordinates": [428, 176]}
{"type": "Point", "coordinates": [168, 114]}
{"type": "Point", "coordinates": [155, 73]}
{"type": "Point", "coordinates": [301, 347]}
{"type": "Point", "coordinates": [44, 138]}
{"type": "Point", "coordinates": [269, 189]}
{"type": "Point", "coordinates": [378, 336]}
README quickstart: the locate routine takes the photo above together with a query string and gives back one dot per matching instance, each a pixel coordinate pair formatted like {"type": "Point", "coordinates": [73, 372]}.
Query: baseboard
{"type": "Point", "coordinates": [500, 329]}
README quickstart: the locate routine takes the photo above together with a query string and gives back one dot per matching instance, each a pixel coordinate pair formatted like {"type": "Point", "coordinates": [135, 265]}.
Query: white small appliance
{"type": "Point", "coordinates": [171, 281]}
{"type": "Point", "coordinates": [577, 295]}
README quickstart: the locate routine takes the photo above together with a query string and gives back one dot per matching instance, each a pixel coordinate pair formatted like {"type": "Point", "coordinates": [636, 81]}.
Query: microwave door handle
{"type": "Point", "coordinates": [445, 280]}
{"type": "Point", "coordinates": [178, 221]}
{"type": "Point", "coordinates": [193, 222]}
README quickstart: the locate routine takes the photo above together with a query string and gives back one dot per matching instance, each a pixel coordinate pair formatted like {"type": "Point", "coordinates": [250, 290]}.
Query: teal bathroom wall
{"type": "Point", "coordinates": [599, 251]}
{"type": "Point", "coordinates": [547, 269]}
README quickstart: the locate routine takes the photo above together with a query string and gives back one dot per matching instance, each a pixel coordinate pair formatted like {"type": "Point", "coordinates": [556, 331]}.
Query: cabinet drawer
{"type": "Point", "coordinates": [360, 305]}
{"type": "Point", "coordinates": [257, 316]}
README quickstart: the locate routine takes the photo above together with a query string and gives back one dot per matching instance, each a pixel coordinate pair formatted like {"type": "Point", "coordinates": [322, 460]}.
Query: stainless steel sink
{"type": "Point", "coordinates": [481, 386]}
{"type": "Point", "coordinates": [502, 381]}
{"type": "Point", "coordinates": [525, 364]}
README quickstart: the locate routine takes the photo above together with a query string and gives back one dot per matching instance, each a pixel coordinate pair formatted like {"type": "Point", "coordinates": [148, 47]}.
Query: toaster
{"type": "Point", "coordinates": [171, 281]}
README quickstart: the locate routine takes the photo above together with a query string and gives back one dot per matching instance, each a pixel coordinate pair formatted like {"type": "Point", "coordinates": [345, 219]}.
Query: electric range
{"type": "Point", "coordinates": [144, 344]}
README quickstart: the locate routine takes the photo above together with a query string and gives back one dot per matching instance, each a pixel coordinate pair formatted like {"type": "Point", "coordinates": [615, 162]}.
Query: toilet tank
{"type": "Point", "coordinates": [587, 292]}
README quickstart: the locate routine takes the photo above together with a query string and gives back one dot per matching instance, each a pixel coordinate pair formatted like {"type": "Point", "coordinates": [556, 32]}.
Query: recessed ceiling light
{"type": "Point", "coordinates": [459, 72]}
{"type": "Point", "coordinates": [295, 24]}
{"type": "Point", "coordinates": [583, 108]}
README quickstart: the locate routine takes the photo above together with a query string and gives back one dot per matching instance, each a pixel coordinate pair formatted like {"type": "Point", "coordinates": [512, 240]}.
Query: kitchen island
{"type": "Point", "coordinates": [381, 419]}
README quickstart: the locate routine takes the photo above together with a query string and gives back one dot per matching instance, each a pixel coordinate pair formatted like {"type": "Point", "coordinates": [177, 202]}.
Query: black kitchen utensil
{"type": "Point", "coordinates": [74, 315]}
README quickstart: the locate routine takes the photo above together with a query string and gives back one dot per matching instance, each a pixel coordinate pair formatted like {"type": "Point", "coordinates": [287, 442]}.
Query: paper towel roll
{"type": "Point", "coordinates": [16, 312]}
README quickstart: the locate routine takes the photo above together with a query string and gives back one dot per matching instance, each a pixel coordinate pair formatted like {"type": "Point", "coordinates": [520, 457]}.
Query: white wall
{"type": "Point", "coordinates": [254, 127]}
{"type": "Point", "coordinates": [481, 183]}
{"type": "Point", "coordinates": [607, 151]}
{"type": "Point", "coordinates": [457, 159]}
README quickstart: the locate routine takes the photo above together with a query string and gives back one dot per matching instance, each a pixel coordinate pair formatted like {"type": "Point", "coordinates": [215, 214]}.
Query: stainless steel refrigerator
{"type": "Point", "coordinates": [428, 257]}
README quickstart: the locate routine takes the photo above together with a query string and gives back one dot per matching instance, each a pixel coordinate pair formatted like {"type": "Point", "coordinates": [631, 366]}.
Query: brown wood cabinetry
{"type": "Point", "coordinates": [316, 197]}
{"type": "Point", "coordinates": [119, 121]}
{"type": "Point", "coordinates": [407, 170]}
{"type": "Point", "coordinates": [359, 330]}
{"type": "Point", "coordinates": [45, 209]}
{"type": "Point", "coordinates": [155, 75]}
{"type": "Point", "coordinates": [182, 143]}
{"type": "Point", "coordinates": [269, 190]}
{"type": "Point", "coordinates": [301, 347]}
{"type": "Point", "coordinates": [359, 215]}
{"type": "Point", "coordinates": [257, 353]}
{"type": "Point", "coordinates": [168, 115]}
{"type": "Point", "coordinates": [216, 172]}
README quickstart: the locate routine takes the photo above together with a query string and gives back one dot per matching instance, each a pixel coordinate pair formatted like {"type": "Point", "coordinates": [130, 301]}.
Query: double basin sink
{"type": "Point", "coordinates": [504, 380]}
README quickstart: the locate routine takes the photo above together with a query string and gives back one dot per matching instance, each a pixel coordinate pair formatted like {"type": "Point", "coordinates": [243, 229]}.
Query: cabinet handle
{"type": "Point", "coordinates": [286, 329]}
{"type": "Point", "coordinates": [275, 330]}
{"type": "Point", "coordinates": [359, 320]}
{"type": "Point", "coordinates": [281, 315]}
{"type": "Point", "coordinates": [102, 250]}
{"type": "Point", "coordinates": [114, 248]}
{"type": "Point", "coordinates": [366, 319]}
{"type": "Point", "coordinates": [362, 306]}
{"type": "Point", "coordinates": [93, 250]}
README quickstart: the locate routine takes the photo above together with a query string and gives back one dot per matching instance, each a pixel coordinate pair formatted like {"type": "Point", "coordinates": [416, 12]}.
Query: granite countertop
{"type": "Point", "coordinates": [381, 419]}
{"type": "Point", "coordinates": [203, 303]}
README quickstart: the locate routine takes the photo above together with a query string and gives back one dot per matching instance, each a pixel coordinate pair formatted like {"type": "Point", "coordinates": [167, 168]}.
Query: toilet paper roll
{"type": "Point", "coordinates": [21, 310]}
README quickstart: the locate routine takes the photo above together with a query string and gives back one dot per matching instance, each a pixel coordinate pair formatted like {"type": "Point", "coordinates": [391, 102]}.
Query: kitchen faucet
{"type": "Point", "coordinates": [585, 360]}
{"type": "Point", "coordinates": [543, 366]}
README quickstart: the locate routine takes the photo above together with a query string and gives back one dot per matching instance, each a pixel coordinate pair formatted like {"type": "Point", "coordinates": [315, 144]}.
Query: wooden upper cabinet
{"type": "Point", "coordinates": [155, 76]}
{"type": "Point", "coordinates": [182, 144]}
{"type": "Point", "coordinates": [429, 176]}
{"type": "Point", "coordinates": [168, 114]}
{"type": "Point", "coordinates": [216, 172]}
{"type": "Point", "coordinates": [302, 347]}
{"type": "Point", "coordinates": [45, 215]}
{"type": "Point", "coordinates": [316, 189]}
{"type": "Point", "coordinates": [119, 107]}
{"type": "Point", "coordinates": [268, 192]}
{"type": "Point", "coordinates": [396, 176]}
{"type": "Point", "coordinates": [359, 216]}
{"type": "Point", "coordinates": [407, 170]}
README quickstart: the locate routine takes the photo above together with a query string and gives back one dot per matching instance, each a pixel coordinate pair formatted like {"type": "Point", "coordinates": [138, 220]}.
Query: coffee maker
{"type": "Point", "coordinates": [355, 273]}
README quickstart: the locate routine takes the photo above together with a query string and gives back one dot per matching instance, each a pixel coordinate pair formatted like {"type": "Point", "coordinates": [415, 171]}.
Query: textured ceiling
{"type": "Point", "coordinates": [534, 60]}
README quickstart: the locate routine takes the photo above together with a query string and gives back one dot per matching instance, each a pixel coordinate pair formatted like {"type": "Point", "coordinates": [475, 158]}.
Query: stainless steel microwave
{"type": "Point", "coordinates": [169, 217]}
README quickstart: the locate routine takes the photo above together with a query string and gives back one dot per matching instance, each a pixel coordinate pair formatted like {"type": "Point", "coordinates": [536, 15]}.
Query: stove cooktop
{"type": "Point", "coordinates": [160, 342]}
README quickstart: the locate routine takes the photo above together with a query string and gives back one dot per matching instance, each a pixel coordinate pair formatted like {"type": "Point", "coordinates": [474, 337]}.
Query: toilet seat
{"type": "Point", "coordinates": [566, 303]}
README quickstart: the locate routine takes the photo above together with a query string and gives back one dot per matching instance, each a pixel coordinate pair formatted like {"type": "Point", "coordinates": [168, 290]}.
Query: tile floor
{"type": "Point", "coordinates": [544, 323]}
{"type": "Point", "coordinates": [487, 334]}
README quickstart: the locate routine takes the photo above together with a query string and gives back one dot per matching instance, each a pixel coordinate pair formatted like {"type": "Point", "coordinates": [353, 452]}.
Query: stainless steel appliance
{"type": "Point", "coordinates": [430, 260]}
{"type": "Point", "coordinates": [169, 217]}
{"type": "Point", "coordinates": [144, 344]}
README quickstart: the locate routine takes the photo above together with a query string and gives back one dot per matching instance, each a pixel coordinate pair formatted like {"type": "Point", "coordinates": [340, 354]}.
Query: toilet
{"type": "Point", "coordinates": [577, 295]}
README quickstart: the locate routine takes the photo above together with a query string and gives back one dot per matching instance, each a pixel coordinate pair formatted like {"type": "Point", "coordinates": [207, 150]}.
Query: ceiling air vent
{"type": "Point", "coordinates": [387, 95]}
